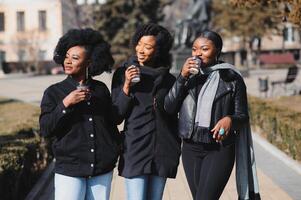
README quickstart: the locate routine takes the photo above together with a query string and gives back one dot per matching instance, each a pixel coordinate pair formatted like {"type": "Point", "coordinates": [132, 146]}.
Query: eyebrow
{"type": "Point", "coordinates": [72, 54]}
{"type": "Point", "coordinates": [146, 44]}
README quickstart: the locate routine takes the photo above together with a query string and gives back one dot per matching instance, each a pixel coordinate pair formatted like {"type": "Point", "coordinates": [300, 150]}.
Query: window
{"type": "Point", "coordinates": [42, 20]}
{"type": "Point", "coordinates": [2, 22]}
{"type": "Point", "coordinates": [20, 21]}
{"type": "Point", "coordinates": [2, 57]}
{"type": "Point", "coordinates": [42, 55]}
{"type": "Point", "coordinates": [21, 55]}
{"type": "Point", "coordinates": [288, 34]}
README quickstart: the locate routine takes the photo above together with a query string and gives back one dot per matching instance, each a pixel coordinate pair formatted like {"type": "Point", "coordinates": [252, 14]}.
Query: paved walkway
{"type": "Point", "coordinates": [279, 176]}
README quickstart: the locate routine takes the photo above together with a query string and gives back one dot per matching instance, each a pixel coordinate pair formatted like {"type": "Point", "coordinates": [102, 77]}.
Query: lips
{"type": "Point", "coordinates": [68, 68]}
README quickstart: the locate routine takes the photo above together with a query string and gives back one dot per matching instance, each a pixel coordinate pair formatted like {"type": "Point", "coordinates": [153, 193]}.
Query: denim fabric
{"type": "Point", "coordinates": [78, 188]}
{"type": "Point", "coordinates": [147, 187]}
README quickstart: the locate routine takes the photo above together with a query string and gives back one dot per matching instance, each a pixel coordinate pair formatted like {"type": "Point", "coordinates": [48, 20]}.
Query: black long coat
{"type": "Point", "coordinates": [151, 144]}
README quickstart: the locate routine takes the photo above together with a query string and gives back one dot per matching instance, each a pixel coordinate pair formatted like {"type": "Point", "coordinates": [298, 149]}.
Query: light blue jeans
{"type": "Point", "coordinates": [77, 188]}
{"type": "Point", "coordinates": [146, 187]}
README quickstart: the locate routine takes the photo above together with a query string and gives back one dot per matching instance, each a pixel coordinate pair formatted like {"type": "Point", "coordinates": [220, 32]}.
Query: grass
{"type": "Point", "coordinates": [16, 116]}
{"type": "Point", "coordinates": [292, 103]}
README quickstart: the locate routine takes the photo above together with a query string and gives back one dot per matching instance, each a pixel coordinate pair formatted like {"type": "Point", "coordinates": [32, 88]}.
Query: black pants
{"type": "Point", "coordinates": [207, 168]}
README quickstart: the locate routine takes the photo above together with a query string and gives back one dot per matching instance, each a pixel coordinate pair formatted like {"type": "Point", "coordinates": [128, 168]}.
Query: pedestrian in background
{"type": "Point", "coordinates": [139, 86]}
{"type": "Point", "coordinates": [76, 112]}
{"type": "Point", "coordinates": [211, 99]}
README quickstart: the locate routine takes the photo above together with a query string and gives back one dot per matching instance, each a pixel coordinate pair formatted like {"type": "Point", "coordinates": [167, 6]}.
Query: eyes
{"type": "Point", "coordinates": [73, 57]}
{"type": "Point", "coordinates": [205, 49]}
{"type": "Point", "coordinates": [146, 46]}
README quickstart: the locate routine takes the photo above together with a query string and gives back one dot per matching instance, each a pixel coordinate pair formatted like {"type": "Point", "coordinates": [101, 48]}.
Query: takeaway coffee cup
{"type": "Point", "coordinates": [84, 86]}
{"type": "Point", "coordinates": [136, 79]}
{"type": "Point", "coordinates": [196, 69]}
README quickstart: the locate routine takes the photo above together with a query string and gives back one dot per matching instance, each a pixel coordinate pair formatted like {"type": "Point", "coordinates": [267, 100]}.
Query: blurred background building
{"type": "Point", "coordinates": [29, 31]}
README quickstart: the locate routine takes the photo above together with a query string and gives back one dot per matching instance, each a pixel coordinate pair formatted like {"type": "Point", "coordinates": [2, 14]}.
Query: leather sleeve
{"type": "Point", "coordinates": [174, 98]}
{"type": "Point", "coordinates": [240, 115]}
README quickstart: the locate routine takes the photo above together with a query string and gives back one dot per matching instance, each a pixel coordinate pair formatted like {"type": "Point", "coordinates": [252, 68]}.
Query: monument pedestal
{"type": "Point", "coordinates": [179, 56]}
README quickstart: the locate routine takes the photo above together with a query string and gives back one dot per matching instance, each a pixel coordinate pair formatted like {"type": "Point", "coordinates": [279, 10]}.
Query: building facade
{"type": "Point", "coordinates": [243, 54]}
{"type": "Point", "coordinates": [29, 31]}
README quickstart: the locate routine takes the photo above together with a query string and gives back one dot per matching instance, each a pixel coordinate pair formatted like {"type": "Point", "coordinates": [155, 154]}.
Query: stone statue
{"type": "Point", "coordinates": [196, 20]}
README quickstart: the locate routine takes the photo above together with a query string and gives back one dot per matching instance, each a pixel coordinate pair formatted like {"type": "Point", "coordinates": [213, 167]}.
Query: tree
{"type": "Point", "coordinates": [117, 20]}
{"type": "Point", "coordinates": [250, 20]}
{"type": "Point", "coordinates": [291, 9]}
{"type": "Point", "coordinates": [245, 21]}
{"type": "Point", "coordinates": [27, 46]}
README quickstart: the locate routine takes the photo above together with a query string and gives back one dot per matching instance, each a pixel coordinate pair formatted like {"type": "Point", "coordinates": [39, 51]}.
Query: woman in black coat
{"type": "Point", "coordinates": [213, 109]}
{"type": "Point", "coordinates": [77, 113]}
{"type": "Point", "coordinates": [151, 146]}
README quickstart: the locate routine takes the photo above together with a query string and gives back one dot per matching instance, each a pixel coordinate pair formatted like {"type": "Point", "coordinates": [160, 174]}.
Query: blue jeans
{"type": "Point", "coordinates": [145, 187]}
{"type": "Point", "coordinates": [77, 188]}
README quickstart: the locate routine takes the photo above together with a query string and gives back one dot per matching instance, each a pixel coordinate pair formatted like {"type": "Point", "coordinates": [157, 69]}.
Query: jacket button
{"type": "Point", "coordinates": [89, 103]}
{"type": "Point", "coordinates": [64, 111]}
{"type": "Point", "coordinates": [91, 135]}
{"type": "Point", "coordinates": [92, 150]}
{"type": "Point", "coordinates": [90, 119]}
{"type": "Point", "coordinates": [92, 165]}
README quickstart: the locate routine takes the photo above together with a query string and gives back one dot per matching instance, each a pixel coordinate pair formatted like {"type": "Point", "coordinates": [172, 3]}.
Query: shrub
{"type": "Point", "coordinates": [279, 125]}
{"type": "Point", "coordinates": [23, 153]}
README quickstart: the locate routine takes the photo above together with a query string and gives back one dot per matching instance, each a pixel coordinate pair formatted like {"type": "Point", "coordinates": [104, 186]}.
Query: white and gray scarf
{"type": "Point", "coordinates": [205, 101]}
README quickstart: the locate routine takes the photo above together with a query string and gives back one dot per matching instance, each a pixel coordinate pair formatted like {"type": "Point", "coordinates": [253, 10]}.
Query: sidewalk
{"type": "Point", "coordinates": [278, 179]}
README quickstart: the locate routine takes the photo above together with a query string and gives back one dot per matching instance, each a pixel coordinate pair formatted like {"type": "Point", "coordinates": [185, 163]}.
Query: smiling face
{"type": "Point", "coordinates": [145, 49]}
{"type": "Point", "coordinates": [75, 62]}
{"type": "Point", "coordinates": [206, 50]}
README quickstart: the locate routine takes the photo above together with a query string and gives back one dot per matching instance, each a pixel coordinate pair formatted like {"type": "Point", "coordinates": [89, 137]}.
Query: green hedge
{"type": "Point", "coordinates": [279, 125]}
{"type": "Point", "coordinates": [23, 153]}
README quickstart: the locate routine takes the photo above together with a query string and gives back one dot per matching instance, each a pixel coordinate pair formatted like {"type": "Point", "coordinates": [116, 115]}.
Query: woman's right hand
{"type": "Point", "coordinates": [129, 74]}
{"type": "Point", "coordinates": [75, 97]}
{"type": "Point", "coordinates": [189, 63]}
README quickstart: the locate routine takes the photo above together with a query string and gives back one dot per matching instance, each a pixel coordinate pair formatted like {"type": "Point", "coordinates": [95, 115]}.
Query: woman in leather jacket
{"type": "Point", "coordinates": [212, 105]}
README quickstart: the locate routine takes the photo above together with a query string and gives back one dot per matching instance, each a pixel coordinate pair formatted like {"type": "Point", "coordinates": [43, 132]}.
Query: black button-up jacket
{"type": "Point", "coordinates": [86, 139]}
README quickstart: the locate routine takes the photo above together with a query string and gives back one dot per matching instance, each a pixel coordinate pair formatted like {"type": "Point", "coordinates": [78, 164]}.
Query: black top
{"type": "Point", "coordinates": [151, 145]}
{"type": "Point", "coordinates": [85, 137]}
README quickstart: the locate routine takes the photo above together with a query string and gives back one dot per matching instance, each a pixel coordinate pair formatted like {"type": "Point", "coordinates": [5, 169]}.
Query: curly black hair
{"type": "Point", "coordinates": [97, 49]}
{"type": "Point", "coordinates": [164, 41]}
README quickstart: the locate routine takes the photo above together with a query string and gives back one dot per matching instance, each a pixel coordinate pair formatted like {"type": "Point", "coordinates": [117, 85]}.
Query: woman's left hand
{"type": "Point", "coordinates": [222, 128]}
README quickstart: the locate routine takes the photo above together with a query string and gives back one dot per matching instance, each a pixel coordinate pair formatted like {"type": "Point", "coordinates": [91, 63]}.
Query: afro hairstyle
{"type": "Point", "coordinates": [97, 49]}
{"type": "Point", "coordinates": [164, 41]}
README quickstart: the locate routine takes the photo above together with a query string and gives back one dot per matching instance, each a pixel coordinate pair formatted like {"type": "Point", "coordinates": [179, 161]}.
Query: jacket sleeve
{"type": "Point", "coordinates": [53, 115]}
{"type": "Point", "coordinates": [175, 96]}
{"type": "Point", "coordinates": [121, 102]}
{"type": "Point", "coordinates": [161, 94]}
{"type": "Point", "coordinates": [240, 115]}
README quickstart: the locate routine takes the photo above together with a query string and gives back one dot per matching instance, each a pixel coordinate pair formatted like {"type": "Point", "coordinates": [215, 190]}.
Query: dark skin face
{"type": "Point", "coordinates": [75, 65]}
{"type": "Point", "coordinates": [204, 49]}
{"type": "Point", "coordinates": [145, 51]}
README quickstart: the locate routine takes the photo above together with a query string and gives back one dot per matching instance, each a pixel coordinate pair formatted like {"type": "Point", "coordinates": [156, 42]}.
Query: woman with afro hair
{"type": "Point", "coordinates": [151, 146]}
{"type": "Point", "coordinates": [76, 112]}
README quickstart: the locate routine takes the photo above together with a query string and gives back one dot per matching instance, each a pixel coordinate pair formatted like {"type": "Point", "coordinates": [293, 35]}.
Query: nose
{"type": "Point", "coordinates": [67, 60]}
{"type": "Point", "coordinates": [198, 52]}
{"type": "Point", "coordinates": [139, 49]}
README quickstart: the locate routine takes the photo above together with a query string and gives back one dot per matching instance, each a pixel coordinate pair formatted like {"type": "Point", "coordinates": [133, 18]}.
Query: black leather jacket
{"type": "Point", "coordinates": [230, 100]}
